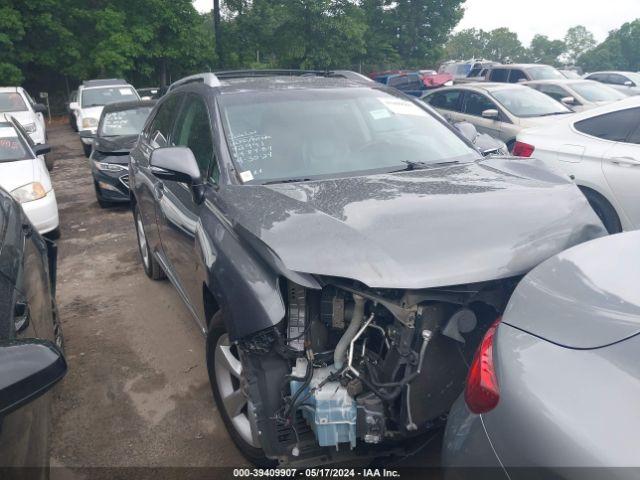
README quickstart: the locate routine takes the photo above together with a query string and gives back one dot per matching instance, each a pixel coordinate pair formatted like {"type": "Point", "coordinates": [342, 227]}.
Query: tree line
{"type": "Point", "coordinates": [52, 45]}
{"type": "Point", "coordinates": [619, 51]}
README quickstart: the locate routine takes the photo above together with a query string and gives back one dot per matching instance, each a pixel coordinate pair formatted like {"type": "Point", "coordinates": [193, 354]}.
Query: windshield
{"type": "Point", "coordinates": [124, 122]}
{"type": "Point", "coordinates": [544, 73]}
{"type": "Point", "coordinates": [11, 147]}
{"type": "Point", "coordinates": [527, 102]}
{"type": "Point", "coordinates": [12, 102]}
{"type": "Point", "coordinates": [98, 97]}
{"type": "Point", "coordinates": [597, 92]}
{"type": "Point", "coordinates": [302, 134]}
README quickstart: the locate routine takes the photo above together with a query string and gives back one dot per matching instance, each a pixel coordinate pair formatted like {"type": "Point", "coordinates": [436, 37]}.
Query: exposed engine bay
{"type": "Point", "coordinates": [354, 371]}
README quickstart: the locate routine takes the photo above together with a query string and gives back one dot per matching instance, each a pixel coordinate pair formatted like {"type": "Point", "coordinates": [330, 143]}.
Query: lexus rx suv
{"type": "Point", "coordinates": [343, 250]}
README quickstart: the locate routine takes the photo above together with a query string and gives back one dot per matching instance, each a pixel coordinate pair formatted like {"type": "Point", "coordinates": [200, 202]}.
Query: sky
{"type": "Point", "coordinates": [530, 17]}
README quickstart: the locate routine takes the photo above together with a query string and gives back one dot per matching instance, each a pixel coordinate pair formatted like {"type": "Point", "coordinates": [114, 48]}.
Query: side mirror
{"type": "Point", "coordinates": [178, 164]}
{"type": "Point", "coordinates": [28, 369]}
{"type": "Point", "coordinates": [42, 149]}
{"type": "Point", "coordinates": [629, 83]}
{"type": "Point", "coordinates": [87, 134]}
{"type": "Point", "coordinates": [569, 101]}
{"type": "Point", "coordinates": [491, 114]}
{"type": "Point", "coordinates": [468, 130]}
{"type": "Point", "coordinates": [74, 106]}
{"type": "Point", "coordinates": [39, 108]}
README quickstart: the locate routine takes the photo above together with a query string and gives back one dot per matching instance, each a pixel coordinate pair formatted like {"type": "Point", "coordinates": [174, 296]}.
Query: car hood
{"type": "Point", "coordinates": [24, 118]}
{"type": "Point", "coordinates": [466, 223]}
{"type": "Point", "coordinates": [584, 298]}
{"type": "Point", "coordinates": [22, 172]}
{"type": "Point", "coordinates": [92, 112]}
{"type": "Point", "coordinates": [120, 145]}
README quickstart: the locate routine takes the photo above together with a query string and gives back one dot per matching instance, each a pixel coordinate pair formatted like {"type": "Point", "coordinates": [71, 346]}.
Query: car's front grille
{"type": "Point", "coordinates": [125, 180]}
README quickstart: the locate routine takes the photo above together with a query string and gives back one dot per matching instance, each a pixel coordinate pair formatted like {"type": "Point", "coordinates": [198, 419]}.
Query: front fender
{"type": "Point", "coordinates": [243, 285]}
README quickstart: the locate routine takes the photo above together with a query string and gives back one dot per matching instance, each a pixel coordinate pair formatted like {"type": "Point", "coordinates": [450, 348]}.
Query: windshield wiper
{"type": "Point", "coordinates": [287, 180]}
{"type": "Point", "coordinates": [417, 165]}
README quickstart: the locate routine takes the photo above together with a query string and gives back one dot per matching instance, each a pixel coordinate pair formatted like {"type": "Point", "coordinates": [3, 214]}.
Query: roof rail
{"type": "Point", "coordinates": [208, 78]}
{"type": "Point", "coordinates": [104, 81]}
{"type": "Point", "coordinates": [228, 74]}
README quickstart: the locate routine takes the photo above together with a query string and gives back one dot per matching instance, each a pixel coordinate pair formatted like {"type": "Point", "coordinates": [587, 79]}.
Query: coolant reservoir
{"type": "Point", "coordinates": [330, 410]}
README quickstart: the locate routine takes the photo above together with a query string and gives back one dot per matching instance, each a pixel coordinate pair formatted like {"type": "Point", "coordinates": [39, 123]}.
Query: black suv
{"type": "Point", "coordinates": [342, 248]}
{"type": "Point", "coordinates": [31, 359]}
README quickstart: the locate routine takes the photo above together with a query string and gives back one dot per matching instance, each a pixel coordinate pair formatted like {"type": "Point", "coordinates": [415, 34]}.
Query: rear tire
{"type": "Point", "coordinates": [604, 210]}
{"type": "Point", "coordinates": [225, 373]}
{"type": "Point", "coordinates": [152, 268]}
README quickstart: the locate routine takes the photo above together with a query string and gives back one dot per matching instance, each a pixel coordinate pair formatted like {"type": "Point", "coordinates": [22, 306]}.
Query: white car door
{"type": "Point", "coordinates": [474, 104]}
{"type": "Point", "coordinates": [621, 167]}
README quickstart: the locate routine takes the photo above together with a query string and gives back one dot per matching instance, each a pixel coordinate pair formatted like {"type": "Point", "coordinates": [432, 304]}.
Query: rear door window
{"type": "Point", "coordinates": [615, 126]}
{"type": "Point", "coordinates": [448, 100]}
{"type": "Point", "coordinates": [517, 75]}
{"type": "Point", "coordinates": [554, 91]}
{"type": "Point", "coordinates": [476, 103]}
{"type": "Point", "coordinates": [499, 75]}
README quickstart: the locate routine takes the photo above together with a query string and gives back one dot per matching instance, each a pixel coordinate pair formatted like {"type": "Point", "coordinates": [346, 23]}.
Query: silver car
{"type": "Point", "coordinates": [555, 385]}
{"type": "Point", "coordinates": [579, 95]}
{"type": "Point", "coordinates": [625, 82]}
{"type": "Point", "coordinates": [497, 109]}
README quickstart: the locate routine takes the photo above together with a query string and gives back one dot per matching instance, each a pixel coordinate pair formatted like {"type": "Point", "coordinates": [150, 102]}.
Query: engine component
{"type": "Point", "coordinates": [340, 352]}
{"type": "Point", "coordinates": [297, 305]}
{"type": "Point", "coordinates": [371, 419]}
{"type": "Point", "coordinates": [463, 321]}
{"type": "Point", "coordinates": [327, 407]}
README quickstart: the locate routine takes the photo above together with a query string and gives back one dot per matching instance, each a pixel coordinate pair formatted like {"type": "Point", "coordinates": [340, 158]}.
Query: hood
{"type": "Point", "coordinates": [466, 223]}
{"type": "Point", "coordinates": [116, 145]}
{"type": "Point", "coordinates": [19, 173]}
{"type": "Point", "coordinates": [24, 118]}
{"type": "Point", "coordinates": [92, 112]}
{"type": "Point", "coordinates": [584, 298]}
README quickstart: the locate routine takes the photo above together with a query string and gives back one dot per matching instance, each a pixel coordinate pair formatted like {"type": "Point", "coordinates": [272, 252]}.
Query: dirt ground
{"type": "Point", "coordinates": [137, 392]}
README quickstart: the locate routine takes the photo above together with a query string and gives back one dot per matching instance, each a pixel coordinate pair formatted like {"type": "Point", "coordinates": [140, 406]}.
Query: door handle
{"type": "Point", "coordinates": [158, 190]}
{"type": "Point", "coordinates": [625, 161]}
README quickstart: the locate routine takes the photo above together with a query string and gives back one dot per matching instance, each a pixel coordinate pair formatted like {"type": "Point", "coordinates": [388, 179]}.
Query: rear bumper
{"type": "Point", "coordinates": [43, 213]}
{"type": "Point", "coordinates": [467, 447]}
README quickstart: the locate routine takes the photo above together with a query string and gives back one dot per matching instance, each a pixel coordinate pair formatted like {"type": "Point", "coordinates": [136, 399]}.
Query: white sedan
{"type": "Point", "coordinates": [600, 150]}
{"type": "Point", "coordinates": [23, 174]}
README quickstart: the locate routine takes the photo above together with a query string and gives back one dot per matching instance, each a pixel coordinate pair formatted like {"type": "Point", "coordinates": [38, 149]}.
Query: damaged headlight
{"type": "Point", "coordinates": [29, 193]}
{"type": "Point", "coordinates": [110, 167]}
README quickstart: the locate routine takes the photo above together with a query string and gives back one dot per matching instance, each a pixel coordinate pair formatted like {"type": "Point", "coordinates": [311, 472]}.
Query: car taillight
{"type": "Point", "coordinates": [482, 392]}
{"type": "Point", "coordinates": [521, 149]}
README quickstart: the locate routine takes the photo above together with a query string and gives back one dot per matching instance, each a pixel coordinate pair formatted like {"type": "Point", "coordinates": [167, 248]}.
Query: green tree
{"type": "Point", "coordinates": [544, 50]}
{"type": "Point", "coordinates": [620, 51]}
{"type": "Point", "coordinates": [466, 44]}
{"type": "Point", "coordinates": [504, 46]}
{"type": "Point", "coordinates": [422, 28]}
{"type": "Point", "coordinates": [578, 41]}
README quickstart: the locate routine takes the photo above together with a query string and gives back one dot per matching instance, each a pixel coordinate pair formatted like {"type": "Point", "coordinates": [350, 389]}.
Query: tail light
{"type": "Point", "coordinates": [521, 149]}
{"type": "Point", "coordinates": [482, 392]}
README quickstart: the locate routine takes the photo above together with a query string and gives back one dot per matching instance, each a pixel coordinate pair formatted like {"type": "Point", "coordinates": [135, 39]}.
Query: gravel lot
{"type": "Point", "coordinates": [137, 392]}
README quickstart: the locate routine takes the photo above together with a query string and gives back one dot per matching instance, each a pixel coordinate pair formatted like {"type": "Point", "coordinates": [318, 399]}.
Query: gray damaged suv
{"type": "Point", "coordinates": [341, 247]}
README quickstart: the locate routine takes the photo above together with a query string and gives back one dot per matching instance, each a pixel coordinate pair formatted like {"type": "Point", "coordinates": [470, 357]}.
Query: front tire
{"type": "Point", "coordinates": [229, 392]}
{"type": "Point", "coordinates": [152, 268]}
{"type": "Point", "coordinates": [604, 210]}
